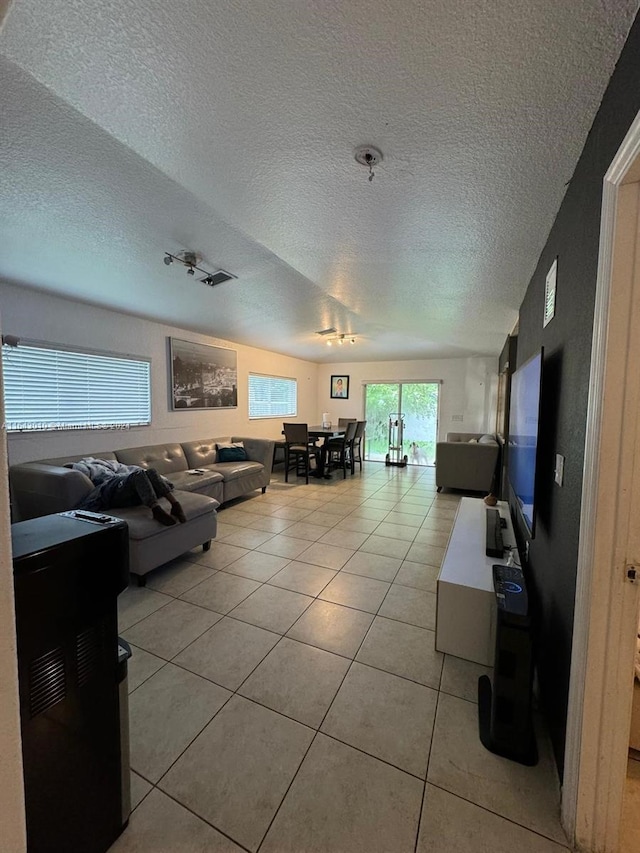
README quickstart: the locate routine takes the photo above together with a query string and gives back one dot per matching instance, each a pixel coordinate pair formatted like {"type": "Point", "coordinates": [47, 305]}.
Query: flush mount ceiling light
{"type": "Point", "coordinates": [190, 260]}
{"type": "Point", "coordinates": [368, 156]}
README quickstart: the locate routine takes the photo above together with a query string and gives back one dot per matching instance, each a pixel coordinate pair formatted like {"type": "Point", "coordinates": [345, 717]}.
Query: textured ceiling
{"type": "Point", "coordinates": [131, 128]}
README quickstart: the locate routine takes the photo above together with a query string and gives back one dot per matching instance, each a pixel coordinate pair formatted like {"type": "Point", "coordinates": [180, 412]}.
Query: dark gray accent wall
{"type": "Point", "coordinates": [506, 366]}
{"type": "Point", "coordinates": [567, 353]}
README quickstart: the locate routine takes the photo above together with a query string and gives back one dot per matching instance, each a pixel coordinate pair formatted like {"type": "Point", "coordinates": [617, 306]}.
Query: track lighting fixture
{"type": "Point", "coordinates": [339, 339]}
{"type": "Point", "coordinates": [190, 260]}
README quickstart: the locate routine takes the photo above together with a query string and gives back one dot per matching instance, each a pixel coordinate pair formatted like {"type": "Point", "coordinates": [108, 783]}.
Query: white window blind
{"type": "Point", "coordinates": [47, 388]}
{"type": "Point", "coordinates": [272, 396]}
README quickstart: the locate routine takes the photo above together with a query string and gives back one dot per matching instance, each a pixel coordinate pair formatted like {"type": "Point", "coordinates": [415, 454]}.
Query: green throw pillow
{"type": "Point", "coordinates": [232, 454]}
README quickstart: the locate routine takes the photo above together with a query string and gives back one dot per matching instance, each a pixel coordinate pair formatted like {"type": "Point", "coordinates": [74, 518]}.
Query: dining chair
{"type": "Point", "coordinates": [279, 450]}
{"type": "Point", "coordinates": [356, 446]}
{"type": "Point", "coordinates": [298, 449]}
{"type": "Point", "coordinates": [339, 450]}
{"type": "Point", "coordinates": [342, 422]}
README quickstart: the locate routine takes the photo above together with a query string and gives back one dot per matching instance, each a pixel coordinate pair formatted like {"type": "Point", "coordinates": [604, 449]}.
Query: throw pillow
{"type": "Point", "coordinates": [232, 454]}
{"type": "Point", "coordinates": [473, 441]}
{"type": "Point", "coordinates": [487, 439]}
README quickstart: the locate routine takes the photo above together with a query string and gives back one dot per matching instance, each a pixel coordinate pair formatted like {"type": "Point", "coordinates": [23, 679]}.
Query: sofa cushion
{"type": "Point", "coordinates": [38, 488]}
{"type": "Point", "coordinates": [195, 482]}
{"type": "Point", "coordinates": [235, 470]}
{"type": "Point", "coordinates": [165, 458]}
{"type": "Point", "coordinates": [199, 454]}
{"type": "Point", "coordinates": [142, 525]}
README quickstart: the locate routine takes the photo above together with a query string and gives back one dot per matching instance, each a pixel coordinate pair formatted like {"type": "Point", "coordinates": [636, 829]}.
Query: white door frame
{"type": "Point", "coordinates": [606, 604]}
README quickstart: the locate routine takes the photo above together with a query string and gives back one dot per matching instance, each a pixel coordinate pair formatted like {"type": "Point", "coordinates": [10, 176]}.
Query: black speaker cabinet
{"type": "Point", "coordinates": [67, 576]}
{"type": "Point", "coordinates": [505, 707]}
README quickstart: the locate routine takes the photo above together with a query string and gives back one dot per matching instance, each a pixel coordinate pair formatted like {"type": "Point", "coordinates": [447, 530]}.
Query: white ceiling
{"type": "Point", "coordinates": [133, 128]}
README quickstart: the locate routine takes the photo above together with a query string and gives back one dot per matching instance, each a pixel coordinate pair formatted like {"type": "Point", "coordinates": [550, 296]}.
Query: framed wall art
{"type": "Point", "coordinates": [339, 387]}
{"type": "Point", "coordinates": [202, 376]}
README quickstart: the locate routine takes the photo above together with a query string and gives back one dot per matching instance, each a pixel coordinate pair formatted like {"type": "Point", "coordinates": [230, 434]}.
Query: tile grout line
{"type": "Point", "coordinates": [426, 772]}
{"type": "Point", "coordinates": [559, 844]}
{"type": "Point", "coordinates": [200, 818]}
{"type": "Point", "coordinates": [146, 616]}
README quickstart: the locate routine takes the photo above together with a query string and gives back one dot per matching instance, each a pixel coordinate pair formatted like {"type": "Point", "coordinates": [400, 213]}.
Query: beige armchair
{"type": "Point", "coordinates": [466, 460]}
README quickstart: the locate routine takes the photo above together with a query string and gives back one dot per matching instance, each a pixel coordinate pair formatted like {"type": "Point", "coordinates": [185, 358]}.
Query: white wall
{"type": "Point", "coordinates": [35, 315]}
{"type": "Point", "coordinates": [12, 825]}
{"type": "Point", "coordinates": [468, 390]}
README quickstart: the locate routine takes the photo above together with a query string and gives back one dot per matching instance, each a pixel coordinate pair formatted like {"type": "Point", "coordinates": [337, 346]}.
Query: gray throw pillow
{"type": "Point", "coordinates": [487, 439]}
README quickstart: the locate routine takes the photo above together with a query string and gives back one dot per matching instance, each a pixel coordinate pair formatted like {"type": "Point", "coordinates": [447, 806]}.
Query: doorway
{"type": "Point", "coordinates": [608, 592]}
{"type": "Point", "coordinates": [419, 402]}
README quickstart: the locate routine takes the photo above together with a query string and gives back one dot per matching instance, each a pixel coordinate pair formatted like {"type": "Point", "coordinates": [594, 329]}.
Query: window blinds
{"type": "Point", "coordinates": [272, 396]}
{"type": "Point", "coordinates": [47, 388]}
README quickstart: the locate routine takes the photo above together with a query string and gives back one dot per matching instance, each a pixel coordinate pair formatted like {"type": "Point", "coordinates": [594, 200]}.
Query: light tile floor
{"type": "Point", "coordinates": [286, 695]}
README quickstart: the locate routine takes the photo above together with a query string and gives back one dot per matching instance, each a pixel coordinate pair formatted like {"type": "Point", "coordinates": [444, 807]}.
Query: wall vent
{"type": "Point", "coordinates": [458, 418]}
{"type": "Point", "coordinates": [218, 277]}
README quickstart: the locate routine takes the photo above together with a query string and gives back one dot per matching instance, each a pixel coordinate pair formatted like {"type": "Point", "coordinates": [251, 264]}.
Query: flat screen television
{"type": "Point", "coordinates": [524, 424]}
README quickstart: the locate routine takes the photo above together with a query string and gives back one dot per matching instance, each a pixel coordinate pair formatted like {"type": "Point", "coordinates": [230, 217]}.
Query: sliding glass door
{"type": "Point", "coordinates": [418, 401]}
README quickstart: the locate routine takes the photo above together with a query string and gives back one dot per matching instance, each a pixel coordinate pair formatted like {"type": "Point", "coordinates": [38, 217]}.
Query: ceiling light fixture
{"type": "Point", "coordinates": [190, 260]}
{"type": "Point", "coordinates": [368, 156]}
{"type": "Point", "coordinates": [340, 339]}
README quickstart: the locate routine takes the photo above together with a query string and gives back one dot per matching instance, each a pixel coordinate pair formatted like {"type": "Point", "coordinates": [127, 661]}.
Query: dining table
{"type": "Point", "coordinates": [326, 433]}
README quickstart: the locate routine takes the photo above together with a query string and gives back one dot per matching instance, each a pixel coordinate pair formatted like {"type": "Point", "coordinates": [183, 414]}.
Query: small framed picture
{"type": "Point", "coordinates": [339, 387]}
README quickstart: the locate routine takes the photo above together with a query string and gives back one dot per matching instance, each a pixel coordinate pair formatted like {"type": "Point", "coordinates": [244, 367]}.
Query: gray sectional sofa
{"type": "Point", "coordinates": [46, 486]}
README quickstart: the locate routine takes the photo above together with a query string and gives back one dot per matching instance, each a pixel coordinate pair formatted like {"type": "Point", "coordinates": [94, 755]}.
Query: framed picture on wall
{"type": "Point", "coordinates": [339, 387]}
{"type": "Point", "coordinates": [202, 376]}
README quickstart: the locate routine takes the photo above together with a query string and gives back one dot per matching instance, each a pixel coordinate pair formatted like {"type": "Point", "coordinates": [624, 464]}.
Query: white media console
{"type": "Point", "coordinates": [466, 611]}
